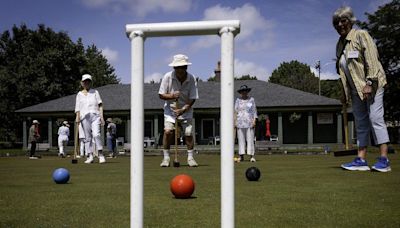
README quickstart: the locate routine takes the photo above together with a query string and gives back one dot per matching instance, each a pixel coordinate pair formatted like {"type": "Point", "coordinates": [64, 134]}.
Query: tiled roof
{"type": "Point", "coordinates": [116, 97]}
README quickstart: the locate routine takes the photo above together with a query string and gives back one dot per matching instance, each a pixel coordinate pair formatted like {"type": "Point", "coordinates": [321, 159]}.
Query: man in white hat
{"type": "Point", "coordinates": [63, 137]}
{"type": "Point", "coordinates": [89, 113]}
{"type": "Point", "coordinates": [33, 138]}
{"type": "Point", "coordinates": [179, 90]}
{"type": "Point", "coordinates": [111, 137]}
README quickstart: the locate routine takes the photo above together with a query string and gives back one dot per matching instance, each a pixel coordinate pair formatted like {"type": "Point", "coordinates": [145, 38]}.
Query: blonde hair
{"type": "Point", "coordinates": [344, 12]}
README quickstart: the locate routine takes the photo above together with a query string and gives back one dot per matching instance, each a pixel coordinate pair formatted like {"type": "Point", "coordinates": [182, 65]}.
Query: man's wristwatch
{"type": "Point", "coordinates": [369, 82]}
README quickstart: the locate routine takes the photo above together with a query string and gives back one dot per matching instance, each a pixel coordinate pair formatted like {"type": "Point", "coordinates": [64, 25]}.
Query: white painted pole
{"type": "Point", "coordinates": [227, 128]}
{"type": "Point", "coordinates": [137, 124]}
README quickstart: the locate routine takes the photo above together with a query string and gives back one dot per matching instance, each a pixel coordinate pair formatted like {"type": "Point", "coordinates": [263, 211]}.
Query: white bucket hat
{"type": "Point", "coordinates": [86, 77]}
{"type": "Point", "coordinates": [180, 60]}
{"type": "Point", "coordinates": [35, 122]}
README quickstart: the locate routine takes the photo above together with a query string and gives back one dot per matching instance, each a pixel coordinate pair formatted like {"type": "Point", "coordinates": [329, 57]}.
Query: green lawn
{"type": "Point", "coordinates": [294, 191]}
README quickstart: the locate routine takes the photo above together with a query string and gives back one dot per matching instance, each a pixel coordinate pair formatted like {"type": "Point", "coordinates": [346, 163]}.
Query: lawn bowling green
{"type": "Point", "coordinates": [293, 191]}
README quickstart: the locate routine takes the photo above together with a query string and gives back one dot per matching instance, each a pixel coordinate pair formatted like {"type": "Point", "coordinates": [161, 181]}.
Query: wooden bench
{"type": "Point", "coordinates": [41, 146]}
{"type": "Point", "coordinates": [266, 145]}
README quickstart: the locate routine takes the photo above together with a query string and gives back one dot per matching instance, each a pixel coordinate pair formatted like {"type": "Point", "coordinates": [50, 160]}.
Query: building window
{"type": "Point", "coordinates": [207, 128]}
{"type": "Point", "coordinates": [148, 128]}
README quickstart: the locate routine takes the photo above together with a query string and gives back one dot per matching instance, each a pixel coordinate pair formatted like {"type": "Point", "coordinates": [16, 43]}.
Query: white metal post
{"type": "Point", "coordinates": [137, 124]}
{"type": "Point", "coordinates": [227, 128]}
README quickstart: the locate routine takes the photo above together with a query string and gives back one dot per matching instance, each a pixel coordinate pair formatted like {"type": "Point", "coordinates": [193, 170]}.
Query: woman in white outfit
{"type": "Point", "coordinates": [63, 135]}
{"type": "Point", "coordinates": [245, 121]}
{"type": "Point", "coordinates": [89, 113]}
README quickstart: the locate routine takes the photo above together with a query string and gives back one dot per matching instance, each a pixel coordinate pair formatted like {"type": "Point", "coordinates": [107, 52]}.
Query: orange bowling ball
{"type": "Point", "coordinates": [182, 186]}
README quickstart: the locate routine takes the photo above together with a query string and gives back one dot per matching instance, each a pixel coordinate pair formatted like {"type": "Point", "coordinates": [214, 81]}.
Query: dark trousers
{"type": "Point", "coordinates": [112, 144]}
{"type": "Point", "coordinates": [33, 149]}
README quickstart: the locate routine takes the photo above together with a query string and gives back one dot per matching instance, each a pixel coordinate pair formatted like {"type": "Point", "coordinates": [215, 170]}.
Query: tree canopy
{"type": "Point", "coordinates": [295, 75]}
{"type": "Point", "coordinates": [41, 65]}
{"type": "Point", "coordinates": [384, 27]}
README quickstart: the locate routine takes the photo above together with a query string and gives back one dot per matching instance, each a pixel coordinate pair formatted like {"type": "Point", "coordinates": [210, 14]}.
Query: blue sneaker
{"type": "Point", "coordinates": [382, 165]}
{"type": "Point", "coordinates": [356, 165]}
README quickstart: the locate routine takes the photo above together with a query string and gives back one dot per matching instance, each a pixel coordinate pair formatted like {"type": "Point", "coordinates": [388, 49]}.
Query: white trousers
{"type": "Point", "coordinates": [62, 143]}
{"type": "Point", "coordinates": [246, 135]}
{"type": "Point", "coordinates": [82, 147]}
{"type": "Point", "coordinates": [91, 127]}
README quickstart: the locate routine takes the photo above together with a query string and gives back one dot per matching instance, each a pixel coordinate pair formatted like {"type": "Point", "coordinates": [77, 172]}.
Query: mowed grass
{"type": "Point", "coordinates": [294, 191]}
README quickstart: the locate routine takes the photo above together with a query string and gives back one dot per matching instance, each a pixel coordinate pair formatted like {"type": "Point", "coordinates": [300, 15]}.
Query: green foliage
{"type": "Point", "coordinates": [41, 65]}
{"type": "Point", "coordinates": [331, 89]}
{"type": "Point", "coordinates": [246, 77]}
{"type": "Point", "coordinates": [384, 27]}
{"type": "Point", "coordinates": [295, 75]}
{"type": "Point", "coordinates": [243, 77]}
{"type": "Point", "coordinates": [212, 79]}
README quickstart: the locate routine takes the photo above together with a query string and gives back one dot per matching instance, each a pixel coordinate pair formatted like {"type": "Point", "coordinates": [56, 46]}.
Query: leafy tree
{"type": "Point", "coordinates": [331, 89]}
{"type": "Point", "coordinates": [212, 79]}
{"type": "Point", "coordinates": [101, 75]}
{"type": "Point", "coordinates": [384, 27]}
{"type": "Point", "coordinates": [295, 75]}
{"type": "Point", "coordinates": [41, 65]}
{"type": "Point", "coordinates": [246, 77]}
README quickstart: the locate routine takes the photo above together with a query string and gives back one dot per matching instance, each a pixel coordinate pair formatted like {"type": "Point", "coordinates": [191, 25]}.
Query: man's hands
{"type": "Point", "coordinates": [367, 90]}
{"type": "Point", "coordinates": [180, 111]}
{"type": "Point", "coordinates": [175, 95]}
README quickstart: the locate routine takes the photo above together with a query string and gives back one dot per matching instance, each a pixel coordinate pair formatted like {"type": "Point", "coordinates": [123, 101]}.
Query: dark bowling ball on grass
{"type": "Point", "coordinates": [61, 176]}
{"type": "Point", "coordinates": [253, 174]}
{"type": "Point", "coordinates": [182, 186]}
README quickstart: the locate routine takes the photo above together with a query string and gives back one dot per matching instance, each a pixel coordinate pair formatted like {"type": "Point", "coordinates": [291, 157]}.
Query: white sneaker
{"type": "Point", "coordinates": [102, 159]}
{"type": "Point", "coordinates": [192, 163]}
{"type": "Point", "coordinates": [33, 157]}
{"type": "Point", "coordinates": [252, 159]}
{"type": "Point", "coordinates": [165, 162]}
{"type": "Point", "coordinates": [89, 159]}
{"type": "Point", "coordinates": [77, 156]}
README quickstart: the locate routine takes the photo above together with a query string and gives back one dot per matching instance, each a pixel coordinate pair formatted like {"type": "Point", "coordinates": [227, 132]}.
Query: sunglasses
{"type": "Point", "coordinates": [340, 20]}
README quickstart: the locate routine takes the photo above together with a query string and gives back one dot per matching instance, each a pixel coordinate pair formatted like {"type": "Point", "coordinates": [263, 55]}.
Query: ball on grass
{"type": "Point", "coordinates": [182, 186]}
{"type": "Point", "coordinates": [253, 174]}
{"type": "Point", "coordinates": [61, 176]}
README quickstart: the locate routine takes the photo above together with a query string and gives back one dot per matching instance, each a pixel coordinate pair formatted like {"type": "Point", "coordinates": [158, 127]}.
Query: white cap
{"type": "Point", "coordinates": [35, 122]}
{"type": "Point", "coordinates": [66, 123]}
{"type": "Point", "coordinates": [180, 60]}
{"type": "Point", "coordinates": [86, 77]}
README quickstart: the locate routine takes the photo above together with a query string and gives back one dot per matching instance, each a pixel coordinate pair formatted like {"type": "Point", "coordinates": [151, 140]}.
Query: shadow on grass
{"type": "Point", "coordinates": [189, 198]}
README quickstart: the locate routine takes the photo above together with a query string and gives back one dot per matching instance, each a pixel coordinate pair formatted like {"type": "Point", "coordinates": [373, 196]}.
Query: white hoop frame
{"type": "Point", "coordinates": [137, 34]}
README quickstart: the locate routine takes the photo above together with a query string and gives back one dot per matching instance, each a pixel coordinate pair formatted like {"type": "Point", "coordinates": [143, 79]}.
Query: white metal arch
{"type": "Point", "coordinates": [137, 34]}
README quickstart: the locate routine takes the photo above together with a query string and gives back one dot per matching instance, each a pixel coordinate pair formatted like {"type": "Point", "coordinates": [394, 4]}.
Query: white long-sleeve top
{"type": "Point", "coordinates": [63, 131]}
{"type": "Point", "coordinates": [88, 103]}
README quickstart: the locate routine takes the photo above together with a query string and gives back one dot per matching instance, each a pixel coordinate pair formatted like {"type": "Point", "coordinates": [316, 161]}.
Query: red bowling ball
{"type": "Point", "coordinates": [182, 186]}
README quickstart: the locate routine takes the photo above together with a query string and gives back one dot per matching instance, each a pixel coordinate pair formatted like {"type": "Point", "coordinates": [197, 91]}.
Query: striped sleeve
{"type": "Point", "coordinates": [372, 64]}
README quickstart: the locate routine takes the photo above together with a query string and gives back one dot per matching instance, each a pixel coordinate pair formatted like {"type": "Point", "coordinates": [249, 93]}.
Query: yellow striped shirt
{"type": "Point", "coordinates": [362, 59]}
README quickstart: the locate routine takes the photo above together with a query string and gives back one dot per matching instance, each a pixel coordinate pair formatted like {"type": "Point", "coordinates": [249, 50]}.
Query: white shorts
{"type": "Point", "coordinates": [186, 126]}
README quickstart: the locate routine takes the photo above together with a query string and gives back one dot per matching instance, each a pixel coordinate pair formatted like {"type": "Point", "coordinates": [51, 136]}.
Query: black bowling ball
{"type": "Point", "coordinates": [253, 174]}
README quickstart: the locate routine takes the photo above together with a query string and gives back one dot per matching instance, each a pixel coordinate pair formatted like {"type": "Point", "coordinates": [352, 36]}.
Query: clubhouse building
{"type": "Point", "coordinates": [296, 117]}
